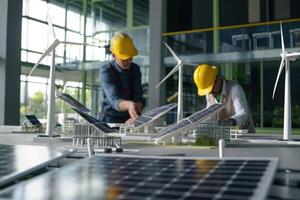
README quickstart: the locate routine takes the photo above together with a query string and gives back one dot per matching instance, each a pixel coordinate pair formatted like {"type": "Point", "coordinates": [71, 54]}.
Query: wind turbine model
{"type": "Point", "coordinates": [177, 67]}
{"type": "Point", "coordinates": [51, 104]}
{"type": "Point", "coordinates": [286, 57]}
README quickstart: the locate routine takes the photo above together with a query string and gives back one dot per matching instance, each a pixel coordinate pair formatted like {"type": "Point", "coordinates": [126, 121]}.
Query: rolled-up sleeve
{"type": "Point", "coordinates": [109, 87]}
{"type": "Point", "coordinates": [137, 86]}
{"type": "Point", "coordinates": [240, 105]}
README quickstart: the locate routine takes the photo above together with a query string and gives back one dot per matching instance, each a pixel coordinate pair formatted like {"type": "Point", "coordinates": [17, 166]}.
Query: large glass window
{"type": "Point", "coordinates": [250, 55]}
{"type": "Point", "coordinates": [102, 20]}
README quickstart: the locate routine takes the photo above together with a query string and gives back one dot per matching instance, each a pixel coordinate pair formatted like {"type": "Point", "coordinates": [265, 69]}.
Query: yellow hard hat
{"type": "Point", "coordinates": [122, 46]}
{"type": "Point", "coordinates": [204, 77]}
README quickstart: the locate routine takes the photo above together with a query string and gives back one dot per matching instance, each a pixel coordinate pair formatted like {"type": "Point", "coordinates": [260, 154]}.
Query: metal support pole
{"type": "Point", "coordinates": [261, 94]}
{"type": "Point", "coordinates": [129, 17]}
{"type": "Point", "coordinates": [83, 72]}
{"type": "Point", "coordinates": [216, 23]}
{"type": "Point", "coordinates": [65, 30]}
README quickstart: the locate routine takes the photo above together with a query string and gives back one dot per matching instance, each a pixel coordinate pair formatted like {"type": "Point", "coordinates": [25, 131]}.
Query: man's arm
{"type": "Point", "coordinates": [109, 86]}
{"type": "Point", "coordinates": [240, 105]}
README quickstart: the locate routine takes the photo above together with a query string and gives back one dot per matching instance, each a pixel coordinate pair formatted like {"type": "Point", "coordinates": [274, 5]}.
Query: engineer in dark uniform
{"type": "Point", "coordinates": [121, 83]}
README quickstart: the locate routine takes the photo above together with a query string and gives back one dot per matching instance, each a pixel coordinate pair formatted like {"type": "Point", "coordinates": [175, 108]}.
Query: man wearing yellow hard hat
{"type": "Point", "coordinates": [121, 82]}
{"type": "Point", "coordinates": [230, 93]}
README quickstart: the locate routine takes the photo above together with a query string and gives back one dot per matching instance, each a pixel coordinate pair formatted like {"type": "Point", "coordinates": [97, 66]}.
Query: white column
{"type": "Point", "coordinates": [155, 60]}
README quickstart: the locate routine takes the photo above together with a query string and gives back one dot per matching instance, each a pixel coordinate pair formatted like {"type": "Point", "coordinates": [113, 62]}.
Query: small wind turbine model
{"type": "Point", "coordinates": [286, 57]}
{"type": "Point", "coordinates": [177, 67]}
{"type": "Point", "coordinates": [51, 100]}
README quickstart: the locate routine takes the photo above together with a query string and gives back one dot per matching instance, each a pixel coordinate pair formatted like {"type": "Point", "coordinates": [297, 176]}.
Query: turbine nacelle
{"type": "Point", "coordinates": [285, 57]}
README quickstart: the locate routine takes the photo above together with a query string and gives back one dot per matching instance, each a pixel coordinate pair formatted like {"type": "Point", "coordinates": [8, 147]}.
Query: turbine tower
{"type": "Point", "coordinates": [286, 57]}
{"type": "Point", "coordinates": [180, 95]}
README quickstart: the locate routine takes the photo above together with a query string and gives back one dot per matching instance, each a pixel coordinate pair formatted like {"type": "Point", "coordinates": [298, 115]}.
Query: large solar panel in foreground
{"type": "Point", "coordinates": [102, 126]}
{"type": "Point", "coordinates": [73, 102]}
{"type": "Point", "coordinates": [190, 121]}
{"type": "Point", "coordinates": [136, 177]}
{"type": "Point", "coordinates": [19, 160]}
{"type": "Point", "coordinates": [153, 114]}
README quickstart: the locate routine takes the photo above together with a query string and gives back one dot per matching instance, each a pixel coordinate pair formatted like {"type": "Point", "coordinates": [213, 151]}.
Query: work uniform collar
{"type": "Point", "coordinates": [220, 98]}
{"type": "Point", "coordinates": [118, 68]}
{"type": "Point", "coordinates": [224, 88]}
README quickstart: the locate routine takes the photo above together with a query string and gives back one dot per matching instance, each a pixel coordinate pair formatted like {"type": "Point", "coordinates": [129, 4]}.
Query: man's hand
{"type": "Point", "coordinates": [134, 108]}
{"type": "Point", "coordinates": [227, 122]}
{"type": "Point", "coordinates": [139, 107]}
{"type": "Point", "coordinates": [130, 121]}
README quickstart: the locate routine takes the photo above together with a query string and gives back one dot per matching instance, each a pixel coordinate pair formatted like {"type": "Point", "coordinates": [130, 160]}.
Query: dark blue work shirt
{"type": "Point", "coordinates": [118, 84]}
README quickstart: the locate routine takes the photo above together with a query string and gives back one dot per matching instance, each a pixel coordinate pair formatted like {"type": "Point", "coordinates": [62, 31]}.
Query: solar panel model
{"type": "Point", "coordinates": [33, 120]}
{"type": "Point", "coordinates": [73, 102]}
{"type": "Point", "coordinates": [140, 177]}
{"type": "Point", "coordinates": [152, 115]}
{"type": "Point", "coordinates": [189, 122]}
{"type": "Point", "coordinates": [95, 122]}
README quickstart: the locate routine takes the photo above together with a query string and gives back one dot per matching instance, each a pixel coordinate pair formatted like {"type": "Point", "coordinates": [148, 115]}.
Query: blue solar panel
{"type": "Point", "coordinates": [140, 177]}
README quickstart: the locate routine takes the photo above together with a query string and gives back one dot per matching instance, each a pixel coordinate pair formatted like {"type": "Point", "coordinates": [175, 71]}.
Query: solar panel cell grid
{"type": "Point", "coordinates": [175, 127]}
{"type": "Point", "coordinates": [151, 115]}
{"type": "Point", "coordinates": [189, 121]}
{"type": "Point", "coordinates": [203, 113]}
{"type": "Point", "coordinates": [150, 178]}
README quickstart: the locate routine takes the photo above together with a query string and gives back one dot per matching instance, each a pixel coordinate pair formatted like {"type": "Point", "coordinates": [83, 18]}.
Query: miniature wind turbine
{"type": "Point", "coordinates": [286, 57]}
{"type": "Point", "coordinates": [51, 104]}
{"type": "Point", "coordinates": [179, 97]}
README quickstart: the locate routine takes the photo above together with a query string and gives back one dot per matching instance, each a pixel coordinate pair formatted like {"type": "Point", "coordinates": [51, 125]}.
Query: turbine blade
{"type": "Point", "coordinates": [173, 53]}
{"type": "Point", "coordinates": [54, 44]}
{"type": "Point", "coordinates": [169, 74]}
{"type": "Point", "coordinates": [50, 24]}
{"type": "Point", "coordinates": [295, 54]}
{"type": "Point", "coordinates": [278, 75]}
{"type": "Point", "coordinates": [282, 40]}
{"type": "Point", "coordinates": [77, 43]}
{"type": "Point", "coordinates": [189, 64]}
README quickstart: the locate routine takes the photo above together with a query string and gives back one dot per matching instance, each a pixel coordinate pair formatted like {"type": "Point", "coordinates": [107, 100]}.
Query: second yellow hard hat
{"type": "Point", "coordinates": [122, 46]}
{"type": "Point", "coordinates": [204, 77]}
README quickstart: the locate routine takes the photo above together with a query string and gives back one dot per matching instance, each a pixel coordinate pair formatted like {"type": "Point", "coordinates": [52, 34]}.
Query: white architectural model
{"type": "Point", "coordinates": [286, 57]}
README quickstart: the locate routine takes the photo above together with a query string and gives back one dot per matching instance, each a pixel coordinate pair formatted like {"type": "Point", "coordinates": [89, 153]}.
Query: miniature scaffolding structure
{"type": "Point", "coordinates": [83, 131]}
{"type": "Point", "coordinates": [213, 131]}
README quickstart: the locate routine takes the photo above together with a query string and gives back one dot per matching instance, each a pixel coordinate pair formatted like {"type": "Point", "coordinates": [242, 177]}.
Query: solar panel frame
{"type": "Point", "coordinates": [73, 102]}
{"type": "Point", "coordinates": [153, 177]}
{"type": "Point", "coordinates": [12, 168]}
{"type": "Point", "coordinates": [183, 125]}
{"type": "Point", "coordinates": [152, 115]}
